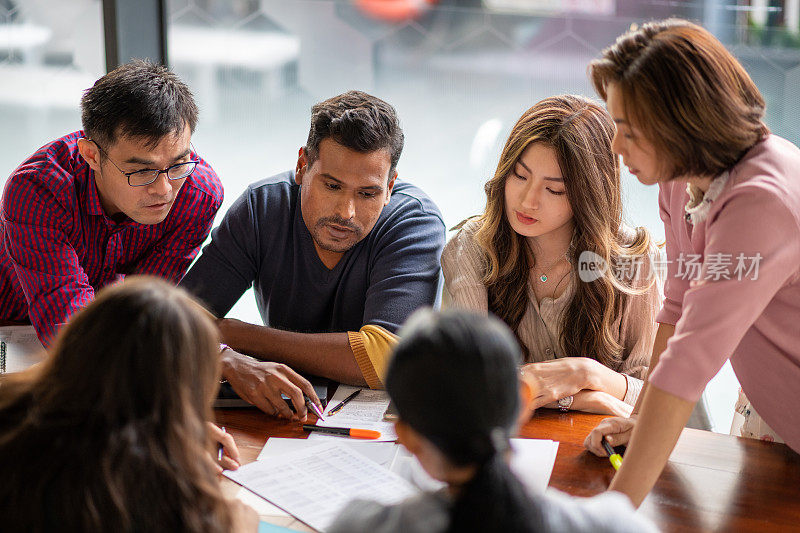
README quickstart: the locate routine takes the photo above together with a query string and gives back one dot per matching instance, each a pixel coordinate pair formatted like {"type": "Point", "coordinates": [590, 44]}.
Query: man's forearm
{"type": "Point", "coordinates": [323, 354]}
{"type": "Point", "coordinates": [660, 422]}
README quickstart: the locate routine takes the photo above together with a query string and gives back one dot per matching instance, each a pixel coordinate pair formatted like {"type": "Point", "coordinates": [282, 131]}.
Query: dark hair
{"type": "Point", "coordinates": [359, 121]}
{"type": "Point", "coordinates": [686, 93]}
{"type": "Point", "coordinates": [109, 433]}
{"type": "Point", "coordinates": [137, 99]}
{"type": "Point", "coordinates": [454, 380]}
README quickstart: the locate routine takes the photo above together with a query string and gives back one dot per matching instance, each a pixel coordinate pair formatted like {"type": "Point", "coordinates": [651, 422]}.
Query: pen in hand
{"type": "Point", "coordinates": [219, 448]}
{"type": "Point", "coordinates": [613, 456]}
{"type": "Point", "coordinates": [311, 405]}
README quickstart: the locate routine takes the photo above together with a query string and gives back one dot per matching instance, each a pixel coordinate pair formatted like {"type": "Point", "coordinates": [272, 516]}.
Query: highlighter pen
{"type": "Point", "coordinates": [343, 403]}
{"type": "Point", "coordinates": [311, 405]}
{"type": "Point", "coordinates": [614, 457]}
{"type": "Point", "coordinates": [345, 432]}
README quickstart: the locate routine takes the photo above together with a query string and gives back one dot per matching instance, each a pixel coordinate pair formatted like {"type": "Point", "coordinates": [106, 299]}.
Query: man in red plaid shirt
{"type": "Point", "coordinates": [126, 195]}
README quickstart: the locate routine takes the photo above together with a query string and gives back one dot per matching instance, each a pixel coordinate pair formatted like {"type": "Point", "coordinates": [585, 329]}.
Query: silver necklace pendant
{"type": "Point", "coordinates": [543, 278]}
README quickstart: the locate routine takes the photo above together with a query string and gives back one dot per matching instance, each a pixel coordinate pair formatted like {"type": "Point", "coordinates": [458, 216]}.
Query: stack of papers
{"type": "Point", "coordinates": [314, 484]}
{"type": "Point", "coordinates": [313, 479]}
{"type": "Point", "coordinates": [384, 453]}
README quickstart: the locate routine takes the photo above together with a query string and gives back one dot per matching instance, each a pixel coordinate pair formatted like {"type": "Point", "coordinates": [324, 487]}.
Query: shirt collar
{"type": "Point", "coordinates": [697, 213]}
{"type": "Point", "coordinates": [95, 207]}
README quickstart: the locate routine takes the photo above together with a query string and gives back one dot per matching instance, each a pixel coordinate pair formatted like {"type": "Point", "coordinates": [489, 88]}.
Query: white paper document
{"type": "Point", "coordinates": [383, 453]}
{"type": "Point", "coordinates": [23, 348]}
{"type": "Point", "coordinates": [365, 411]}
{"type": "Point", "coordinates": [532, 461]}
{"type": "Point", "coordinates": [316, 482]}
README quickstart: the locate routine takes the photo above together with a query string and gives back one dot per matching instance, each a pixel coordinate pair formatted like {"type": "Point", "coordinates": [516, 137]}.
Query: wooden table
{"type": "Point", "coordinates": [713, 482]}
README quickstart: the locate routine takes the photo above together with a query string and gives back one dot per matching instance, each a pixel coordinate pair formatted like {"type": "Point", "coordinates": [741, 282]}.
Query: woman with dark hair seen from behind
{"type": "Point", "coordinates": [554, 201]}
{"type": "Point", "coordinates": [454, 380]}
{"type": "Point", "coordinates": [111, 431]}
{"type": "Point", "coordinates": [689, 118]}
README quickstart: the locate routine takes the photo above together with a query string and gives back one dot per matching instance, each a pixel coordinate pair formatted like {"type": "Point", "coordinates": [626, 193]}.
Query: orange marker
{"type": "Point", "coordinates": [345, 432]}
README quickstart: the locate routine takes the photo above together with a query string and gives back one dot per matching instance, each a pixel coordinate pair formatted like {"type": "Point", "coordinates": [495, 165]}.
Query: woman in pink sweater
{"type": "Point", "coordinates": [689, 118]}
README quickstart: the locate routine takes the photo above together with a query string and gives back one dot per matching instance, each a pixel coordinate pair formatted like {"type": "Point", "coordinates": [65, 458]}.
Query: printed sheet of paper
{"type": "Point", "coordinates": [365, 411]}
{"type": "Point", "coordinates": [383, 453]}
{"type": "Point", "coordinates": [23, 348]}
{"type": "Point", "coordinates": [532, 461]}
{"type": "Point", "coordinates": [316, 482]}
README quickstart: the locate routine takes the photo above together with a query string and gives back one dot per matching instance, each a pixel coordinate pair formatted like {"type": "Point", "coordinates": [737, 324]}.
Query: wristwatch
{"type": "Point", "coordinates": [565, 403]}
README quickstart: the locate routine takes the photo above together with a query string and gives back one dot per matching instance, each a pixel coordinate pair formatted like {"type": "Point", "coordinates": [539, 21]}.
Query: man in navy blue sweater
{"type": "Point", "coordinates": [340, 252]}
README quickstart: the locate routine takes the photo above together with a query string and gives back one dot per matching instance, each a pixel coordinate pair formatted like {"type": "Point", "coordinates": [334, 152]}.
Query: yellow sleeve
{"type": "Point", "coordinates": [372, 347]}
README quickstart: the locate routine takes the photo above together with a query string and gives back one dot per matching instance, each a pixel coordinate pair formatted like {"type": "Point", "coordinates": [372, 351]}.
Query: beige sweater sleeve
{"type": "Point", "coordinates": [463, 267]}
{"type": "Point", "coordinates": [372, 347]}
{"type": "Point", "coordinates": [638, 328]}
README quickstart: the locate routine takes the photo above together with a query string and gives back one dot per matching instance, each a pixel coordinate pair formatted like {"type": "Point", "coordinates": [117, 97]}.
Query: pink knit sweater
{"type": "Point", "coordinates": [743, 301]}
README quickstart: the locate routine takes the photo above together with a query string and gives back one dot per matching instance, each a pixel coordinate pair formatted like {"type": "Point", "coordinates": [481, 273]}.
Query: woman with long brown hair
{"type": "Point", "coordinates": [553, 212]}
{"type": "Point", "coordinates": [689, 118]}
{"type": "Point", "coordinates": [111, 431]}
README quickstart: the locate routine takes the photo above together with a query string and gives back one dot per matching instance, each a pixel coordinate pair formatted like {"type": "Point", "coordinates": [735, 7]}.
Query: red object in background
{"type": "Point", "coordinates": [394, 10]}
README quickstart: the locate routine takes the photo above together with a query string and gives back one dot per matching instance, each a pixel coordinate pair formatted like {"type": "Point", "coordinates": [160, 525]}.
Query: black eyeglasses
{"type": "Point", "coordinates": [140, 178]}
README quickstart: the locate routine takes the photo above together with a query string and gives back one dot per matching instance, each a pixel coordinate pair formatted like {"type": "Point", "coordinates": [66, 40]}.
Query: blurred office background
{"type": "Point", "coordinates": [459, 72]}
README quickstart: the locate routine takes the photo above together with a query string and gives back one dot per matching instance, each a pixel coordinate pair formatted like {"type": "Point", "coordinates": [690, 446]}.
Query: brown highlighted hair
{"type": "Point", "coordinates": [358, 121]}
{"type": "Point", "coordinates": [686, 94]}
{"type": "Point", "coordinates": [109, 433]}
{"type": "Point", "coordinates": [580, 132]}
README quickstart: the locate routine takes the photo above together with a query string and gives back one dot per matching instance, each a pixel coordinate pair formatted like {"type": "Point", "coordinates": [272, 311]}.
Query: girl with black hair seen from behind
{"type": "Point", "coordinates": [454, 380]}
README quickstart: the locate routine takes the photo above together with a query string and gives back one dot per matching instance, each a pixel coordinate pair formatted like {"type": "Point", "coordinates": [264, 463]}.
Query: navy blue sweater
{"type": "Point", "coordinates": [264, 242]}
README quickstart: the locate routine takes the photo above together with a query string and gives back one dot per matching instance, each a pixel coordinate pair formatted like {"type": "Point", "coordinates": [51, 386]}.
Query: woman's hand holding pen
{"type": "Point", "coordinates": [229, 459]}
{"type": "Point", "coordinates": [616, 430]}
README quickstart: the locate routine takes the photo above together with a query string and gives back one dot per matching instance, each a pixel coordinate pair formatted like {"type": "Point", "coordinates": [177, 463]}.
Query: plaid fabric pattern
{"type": "Point", "coordinates": [57, 246]}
